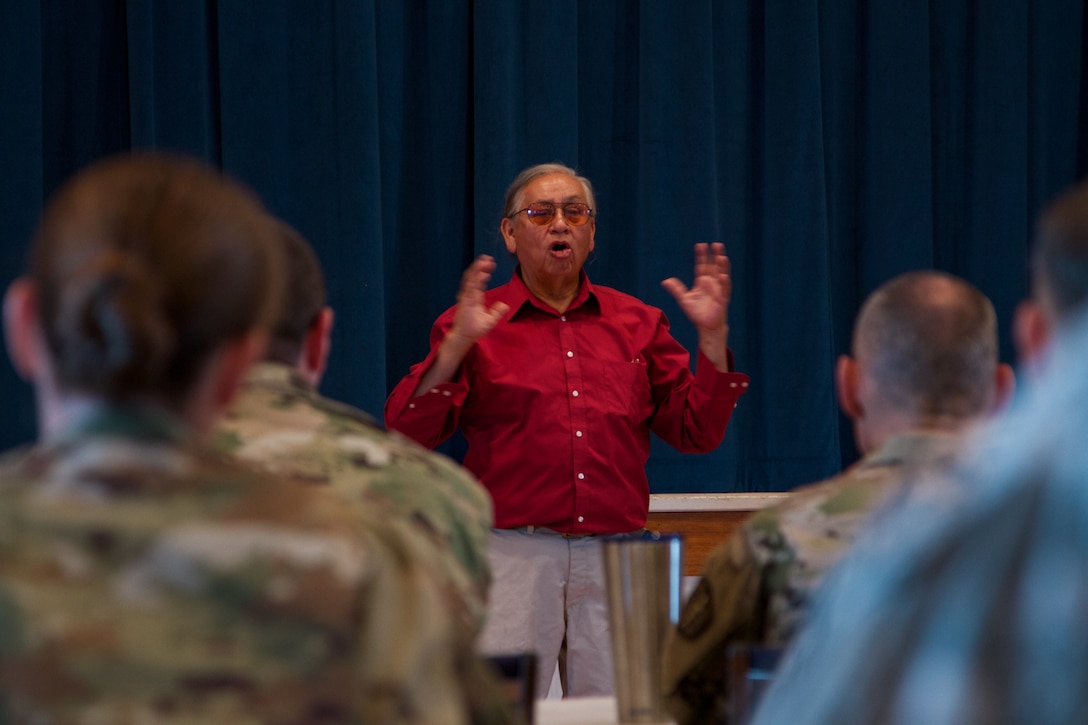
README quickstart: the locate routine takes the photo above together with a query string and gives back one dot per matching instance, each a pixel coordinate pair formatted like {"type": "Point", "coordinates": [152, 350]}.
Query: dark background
{"type": "Point", "coordinates": [830, 145]}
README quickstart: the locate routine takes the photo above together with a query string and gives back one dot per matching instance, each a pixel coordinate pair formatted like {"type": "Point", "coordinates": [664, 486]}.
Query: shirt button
{"type": "Point", "coordinates": [578, 433]}
{"type": "Point", "coordinates": [570, 353]}
{"type": "Point", "coordinates": [581, 476]}
{"type": "Point", "coordinates": [563, 318]}
{"type": "Point", "coordinates": [744, 385]}
{"type": "Point", "coordinates": [732, 385]}
{"type": "Point", "coordinates": [447, 393]}
{"type": "Point", "coordinates": [574, 393]}
{"type": "Point", "coordinates": [434, 390]}
{"type": "Point", "coordinates": [581, 519]}
{"type": "Point", "coordinates": [413, 405]}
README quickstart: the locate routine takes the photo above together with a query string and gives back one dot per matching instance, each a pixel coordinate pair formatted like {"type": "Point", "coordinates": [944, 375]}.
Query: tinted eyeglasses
{"type": "Point", "coordinates": [542, 212]}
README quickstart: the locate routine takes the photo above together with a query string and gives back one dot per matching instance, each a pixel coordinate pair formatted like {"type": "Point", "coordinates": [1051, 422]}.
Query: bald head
{"type": "Point", "coordinates": [927, 341]}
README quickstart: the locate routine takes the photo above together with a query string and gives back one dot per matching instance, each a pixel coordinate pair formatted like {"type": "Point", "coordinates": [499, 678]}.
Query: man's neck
{"type": "Point", "coordinates": [558, 295]}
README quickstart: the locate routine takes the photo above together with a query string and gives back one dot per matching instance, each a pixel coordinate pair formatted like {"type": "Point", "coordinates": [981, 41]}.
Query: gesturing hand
{"type": "Point", "coordinates": [473, 318]}
{"type": "Point", "coordinates": [707, 302]}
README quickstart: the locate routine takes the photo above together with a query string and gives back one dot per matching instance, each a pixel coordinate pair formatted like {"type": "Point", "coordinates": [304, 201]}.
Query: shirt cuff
{"type": "Point", "coordinates": [708, 378]}
{"type": "Point", "coordinates": [439, 398]}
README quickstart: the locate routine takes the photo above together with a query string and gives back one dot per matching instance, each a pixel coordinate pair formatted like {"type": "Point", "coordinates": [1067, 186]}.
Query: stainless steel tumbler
{"type": "Point", "coordinates": [642, 574]}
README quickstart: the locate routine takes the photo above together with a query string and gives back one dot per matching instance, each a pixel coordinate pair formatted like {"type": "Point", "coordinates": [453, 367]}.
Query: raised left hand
{"type": "Point", "coordinates": [707, 302]}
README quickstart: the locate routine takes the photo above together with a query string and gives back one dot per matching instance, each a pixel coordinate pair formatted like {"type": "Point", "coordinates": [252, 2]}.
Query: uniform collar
{"type": "Point", "coordinates": [279, 375]}
{"type": "Point", "coordinates": [905, 448]}
{"type": "Point", "coordinates": [143, 423]}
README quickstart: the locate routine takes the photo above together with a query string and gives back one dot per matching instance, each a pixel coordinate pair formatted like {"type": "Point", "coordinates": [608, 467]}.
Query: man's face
{"type": "Point", "coordinates": [555, 250]}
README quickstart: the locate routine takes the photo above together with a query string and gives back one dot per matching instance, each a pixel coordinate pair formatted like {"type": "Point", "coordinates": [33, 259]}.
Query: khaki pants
{"type": "Point", "coordinates": [546, 588]}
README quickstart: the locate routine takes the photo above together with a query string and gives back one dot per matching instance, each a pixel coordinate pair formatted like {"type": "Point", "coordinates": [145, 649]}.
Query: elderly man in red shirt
{"type": "Point", "coordinates": [556, 384]}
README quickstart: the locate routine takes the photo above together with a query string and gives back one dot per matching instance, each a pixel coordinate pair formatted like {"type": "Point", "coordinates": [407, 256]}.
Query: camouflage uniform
{"type": "Point", "coordinates": [279, 422]}
{"type": "Point", "coordinates": [757, 585]}
{"type": "Point", "coordinates": [146, 580]}
{"type": "Point", "coordinates": [967, 602]}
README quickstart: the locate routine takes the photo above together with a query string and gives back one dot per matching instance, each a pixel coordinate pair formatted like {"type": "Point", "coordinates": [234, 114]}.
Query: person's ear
{"type": "Point", "coordinates": [318, 343]}
{"type": "Point", "coordinates": [1031, 332]}
{"type": "Point", "coordinates": [1004, 386]}
{"type": "Point", "coordinates": [507, 229]}
{"type": "Point", "coordinates": [22, 334]}
{"type": "Point", "coordinates": [847, 383]}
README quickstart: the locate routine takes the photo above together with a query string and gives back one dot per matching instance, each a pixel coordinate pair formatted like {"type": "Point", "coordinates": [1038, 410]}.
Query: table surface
{"type": "Point", "coordinates": [692, 502]}
{"type": "Point", "coordinates": [577, 711]}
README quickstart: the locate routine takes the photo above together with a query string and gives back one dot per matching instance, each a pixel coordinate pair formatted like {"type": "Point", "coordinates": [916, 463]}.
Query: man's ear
{"type": "Point", "coordinates": [1004, 386]}
{"type": "Point", "coordinates": [847, 381]}
{"type": "Point", "coordinates": [315, 350]}
{"type": "Point", "coordinates": [507, 229]}
{"type": "Point", "coordinates": [1031, 332]}
{"type": "Point", "coordinates": [21, 330]}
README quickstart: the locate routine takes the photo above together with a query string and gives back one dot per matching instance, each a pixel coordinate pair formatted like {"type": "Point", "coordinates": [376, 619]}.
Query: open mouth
{"type": "Point", "coordinates": [561, 249]}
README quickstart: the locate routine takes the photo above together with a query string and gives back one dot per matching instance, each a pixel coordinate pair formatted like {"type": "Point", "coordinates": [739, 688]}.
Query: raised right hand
{"type": "Point", "coordinates": [473, 318]}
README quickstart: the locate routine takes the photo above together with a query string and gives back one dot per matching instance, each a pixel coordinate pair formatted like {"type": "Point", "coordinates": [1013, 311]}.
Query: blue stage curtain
{"type": "Point", "coordinates": [830, 145]}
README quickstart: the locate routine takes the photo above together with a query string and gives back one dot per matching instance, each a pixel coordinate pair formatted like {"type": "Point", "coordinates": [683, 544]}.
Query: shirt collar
{"type": "Point", "coordinates": [520, 298]}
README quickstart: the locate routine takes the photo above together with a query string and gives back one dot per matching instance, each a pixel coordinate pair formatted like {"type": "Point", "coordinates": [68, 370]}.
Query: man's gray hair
{"type": "Point", "coordinates": [514, 202]}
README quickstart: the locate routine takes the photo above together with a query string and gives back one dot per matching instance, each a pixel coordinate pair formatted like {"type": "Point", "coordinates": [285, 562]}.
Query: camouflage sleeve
{"type": "Point", "coordinates": [419, 664]}
{"type": "Point", "coordinates": [449, 508]}
{"type": "Point", "coordinates": [724, 607]}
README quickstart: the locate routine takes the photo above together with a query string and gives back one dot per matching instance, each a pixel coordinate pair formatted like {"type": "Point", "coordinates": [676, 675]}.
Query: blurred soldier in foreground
{"type": "Point", "coordinates": [280, 421]}
{"type": "Point", "coordinates": [924, 369]}
{"type": "Point", "coordinates": [966, 602]}
{"type": "Point", "coordinates": [144, 578]}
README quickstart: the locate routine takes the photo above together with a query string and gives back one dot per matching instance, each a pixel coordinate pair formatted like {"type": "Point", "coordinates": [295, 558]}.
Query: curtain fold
{"type": "Point", "coordinates": [829, 145]}
{"type": "Point", "coordinates": [22, 179]}
{"type": "Point", "coordinates": [173, 77]}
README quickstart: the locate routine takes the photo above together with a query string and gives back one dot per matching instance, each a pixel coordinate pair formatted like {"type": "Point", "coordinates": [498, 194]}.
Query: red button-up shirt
{"type": "Point", "coordinates": [557, 409]}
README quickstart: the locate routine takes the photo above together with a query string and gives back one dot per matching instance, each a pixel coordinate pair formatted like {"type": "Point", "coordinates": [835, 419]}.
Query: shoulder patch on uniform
{"type": "Point", "coordinates": [697, 613]}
